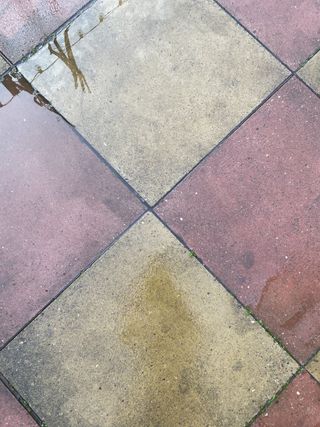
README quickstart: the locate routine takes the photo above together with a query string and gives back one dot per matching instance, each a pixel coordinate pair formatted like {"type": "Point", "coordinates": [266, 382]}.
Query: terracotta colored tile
{"type": "Point", "coordinates": [12, 414]}
{"type": "Point", "coordinates": [154, 88]}
{"type": "Point", "coordinates": [290, 28]}
{"type": "Point", "coordinates": [60, 205]}
{"type": "Point", "coordinates": [310, 73]}
{"type": "Point", "coordinates": [24, 23]}
{"type": "Point", "coordinates": [251, 212]}
{"type": "Point", "coordinates": [314, 366]}
{"type": "Point", "coordinates": [297, 406]}
{"type": "Point", "coordinates": [146, 337]}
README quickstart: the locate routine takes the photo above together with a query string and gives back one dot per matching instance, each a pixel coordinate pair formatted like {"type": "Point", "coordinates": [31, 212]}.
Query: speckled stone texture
{"type": "Point", "coordinates": [297, 406]}
{"type": "Point", "coordinates": [25, 23]}
{"type": "Point", "coordinates": [155, 85]}
{"type": "Point", "coordinates": [12, 414]}
{"type": "Point", "coordinates": [251, 212]}
{"type": "Point", "coordinates": [290, 28]}
{"type": "Point", "coordinates": [314, 366]}
{"type": "Point", "coordinates": [310, 73]}
{"type": "Point", "coordinates": [60, 205]}
{"type": "Point", "coordinates": [3, 65]}
{"type": "Point", "coordinates": [146, 337]}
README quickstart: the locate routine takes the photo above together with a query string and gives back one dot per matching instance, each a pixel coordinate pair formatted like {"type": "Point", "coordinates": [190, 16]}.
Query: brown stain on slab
{"type": "Point", "coordinates": [161, 331]}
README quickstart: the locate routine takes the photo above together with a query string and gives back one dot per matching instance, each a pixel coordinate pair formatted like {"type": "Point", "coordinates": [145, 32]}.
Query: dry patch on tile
{"type": "Point", "coordinates": [154, 86]}
{"type": "Point", "coordinates": [146, 337]}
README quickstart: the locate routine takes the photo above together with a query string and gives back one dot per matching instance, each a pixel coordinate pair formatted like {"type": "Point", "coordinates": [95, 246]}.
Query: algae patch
{"type": "Point", "coordinates": [161, 331]}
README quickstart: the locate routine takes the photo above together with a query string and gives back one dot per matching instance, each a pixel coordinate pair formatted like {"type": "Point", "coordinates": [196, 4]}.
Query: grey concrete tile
{"type": "Point", "coordinates": [3, 65]}
{"type": "Point", "coordinates": [310, 72]}
{"type": "Point", "coordinates": [146, 337]}
{"type": "Point", "coordinates": [154, 85]}
{"type": "Point", "coordinates": [314, 366]}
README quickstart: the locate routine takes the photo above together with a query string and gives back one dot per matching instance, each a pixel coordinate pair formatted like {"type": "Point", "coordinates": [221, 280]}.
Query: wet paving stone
{"type": "Point", "coordinates": [12, 414]}
{"type": "Point", "coordinates": [24, 24]}
{"type": "Point", "coordinates": [60, 205]}
{"type": "Point", "coordinates": [310, 73]}
{"type": "Point", "coordinates": [154, 87]}
{"type": "Point", "coordinates": [297, 406]}
{"type": "Point", "coordinates": [314, 366]}
{"type": "Point", "coordinates": [251, 213]}
{"type": "Point", "coordinates": [146, 337]}
{"type": "Point", "coordinates": [290, 28]}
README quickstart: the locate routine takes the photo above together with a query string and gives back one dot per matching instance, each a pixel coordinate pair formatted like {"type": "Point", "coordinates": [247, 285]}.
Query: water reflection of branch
{"type": "Point", "coordinates": [102, 17]}
{"type": "Point", "coordinates": [69, 60]}
{"type": "Point", "coordinates": [18, 84]}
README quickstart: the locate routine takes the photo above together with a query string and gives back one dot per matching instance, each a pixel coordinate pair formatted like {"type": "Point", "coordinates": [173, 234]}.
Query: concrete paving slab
{"type": "Point", "coordinates": [290, 28]}
{"type": "Point", "coordinates": [251, 213]}
{"type": "Point", "coordinates": [310, 73]}
{"type": "Point", "coordinates": [154, 86]}
{"type": "Point", "coordinates": [314, 366]}
{"type": "Point", "coordinates": [60, 205]}
{"type": "Point", "coordinates": [146, 337]}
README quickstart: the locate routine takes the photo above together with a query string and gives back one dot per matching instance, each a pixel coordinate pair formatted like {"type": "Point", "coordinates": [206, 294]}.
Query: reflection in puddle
{"type": "Point", "coordinates": [162, 333]}
{"type": "Point", "coordinates": [68, 57]}
{"type": "Point", "coordinates": [69, 60]}
{"type": "Point", "coordinates": [16, 84]}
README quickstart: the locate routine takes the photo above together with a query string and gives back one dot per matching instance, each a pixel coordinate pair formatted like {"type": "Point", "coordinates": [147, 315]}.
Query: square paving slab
{"type": "Point", "coordinates": [154, 86]}
{"type": "Point", "coordinates": [290, 28]}
{"type": "Point", "coordinates": [251, 212]}
{"type": "Point", "coordinates": [146, 337]}
{"type": "Point", "coordinates": [25, 23]}
{"type": "Point", "coordinates": [310, 73]}
{"type": "Point", "coordinates": [60, 205]}
{"type": "Point", "coordinates": [314, 366]}
{"type": "Point", "coordinates": [297, 406]}
{"type": "Point", "coordinates": [12, 414]}
{"type": "Point", "coordinates": [3, 65]}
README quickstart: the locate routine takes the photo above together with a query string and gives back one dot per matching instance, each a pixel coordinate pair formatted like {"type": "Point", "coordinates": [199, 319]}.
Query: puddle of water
{"type": "Point", "coordinates": [161, 331]}
{"type": "Point", "coordinates": [289, 305]}
{"type": "Point", "coordinates": [67, 55]}
{"type": "Point", "coordinates": [15, 84]}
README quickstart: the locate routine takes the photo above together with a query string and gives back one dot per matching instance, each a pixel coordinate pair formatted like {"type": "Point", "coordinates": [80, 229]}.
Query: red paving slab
{"type": "Point", "coordinates": [297, 406]}
{"type": "Point", "coordinates": [251, 211]}
{"type": "Point", "coordinates": [12, 414]}
{"type": "Point", "coordinates": [290, 28]}
{"type": "Point", "coordinates": [24, 23]}
{"type": "Point", "coordinates": [60, 206]}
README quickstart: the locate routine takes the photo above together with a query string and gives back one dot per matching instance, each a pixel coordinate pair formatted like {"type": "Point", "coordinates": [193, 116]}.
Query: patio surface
{"type": "Point", "coordinates": [160, 213]}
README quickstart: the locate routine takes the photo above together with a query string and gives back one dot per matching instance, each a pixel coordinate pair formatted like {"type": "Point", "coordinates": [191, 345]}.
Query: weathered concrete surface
{"type": "Point", "coordinates": [155, 85]}
{"type": "Point", "coordinates": [314, 366]}
{"type": "Point", "coordinates": [146, 337]}
{"type": "Point", "coordinates": [3, 65]}
{"type": "Point", "coordinates": [310, 73]}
